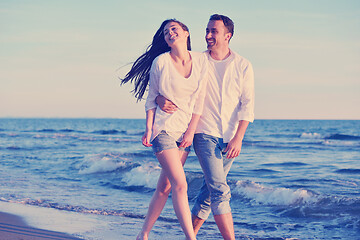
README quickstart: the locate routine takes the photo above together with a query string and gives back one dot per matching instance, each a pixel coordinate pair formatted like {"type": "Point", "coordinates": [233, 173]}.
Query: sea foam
{"type": "Point", "coordinates": [102, 163]}
{"type": "Point", "coordinates": [259, 194]}
{"type": "Point", "coordinates": [145, 175]}
{"type": "Point", "coordinates": [311, 136]}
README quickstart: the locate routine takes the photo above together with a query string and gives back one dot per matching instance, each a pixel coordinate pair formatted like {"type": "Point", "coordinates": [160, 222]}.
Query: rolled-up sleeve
{"type": "Point", "coordinates": [247, 99]}
{"type": "Point", "coordinates": [153, 91]}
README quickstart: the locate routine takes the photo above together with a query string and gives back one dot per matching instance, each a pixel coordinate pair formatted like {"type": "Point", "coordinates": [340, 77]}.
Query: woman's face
{"type": "Point", "coordinates": [175, 34]}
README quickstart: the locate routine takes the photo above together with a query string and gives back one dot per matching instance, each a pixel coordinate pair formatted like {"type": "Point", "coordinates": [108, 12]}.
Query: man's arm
{"type": "Point", "coordinates": [246, 113]}
{"type": "Point", "coordinates": [165, 104]}
{"type": "Point", "coordinates": [233, 148]}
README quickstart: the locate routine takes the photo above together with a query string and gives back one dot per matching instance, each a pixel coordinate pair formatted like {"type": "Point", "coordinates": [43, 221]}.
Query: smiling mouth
{"type": "Point", "coordinates": [210, 41]}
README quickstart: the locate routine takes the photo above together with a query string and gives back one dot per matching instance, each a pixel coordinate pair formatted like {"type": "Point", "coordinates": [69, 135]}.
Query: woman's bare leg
{"type": "Point", "coordinates": [172, 166]}
{"type": "Point", "coordinates": [156, 205]}
{"type": "Point", "coordinates": [158, 201]}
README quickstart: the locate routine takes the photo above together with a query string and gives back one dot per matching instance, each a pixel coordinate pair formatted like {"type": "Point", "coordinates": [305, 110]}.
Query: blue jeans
{"type": "Point", "coordinates": [215, 193]}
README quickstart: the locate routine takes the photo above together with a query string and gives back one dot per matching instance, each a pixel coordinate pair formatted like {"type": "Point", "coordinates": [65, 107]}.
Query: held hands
{"type": "Point", "coordinates": [233, 148]}
{"type": "Point", "coordinates": [165, 104]}
{"type": "Point", "coordinates": [146, 138]}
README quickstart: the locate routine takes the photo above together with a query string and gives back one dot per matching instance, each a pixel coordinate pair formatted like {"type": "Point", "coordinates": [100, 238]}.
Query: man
{"type": "Point", "coordinates": [228, 109]}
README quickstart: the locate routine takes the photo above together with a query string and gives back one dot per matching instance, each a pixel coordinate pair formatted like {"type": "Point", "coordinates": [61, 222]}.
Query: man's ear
{"type": "Point", "coordinates": [228, 36]}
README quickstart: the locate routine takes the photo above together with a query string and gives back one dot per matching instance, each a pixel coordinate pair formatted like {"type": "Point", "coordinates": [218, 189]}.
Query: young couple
{"type": "Point", "coordinates": [202, 98]}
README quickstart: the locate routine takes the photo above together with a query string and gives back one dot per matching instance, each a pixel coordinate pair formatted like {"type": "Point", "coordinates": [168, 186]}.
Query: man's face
{"type": "Point", "coordinates": [217, 35]}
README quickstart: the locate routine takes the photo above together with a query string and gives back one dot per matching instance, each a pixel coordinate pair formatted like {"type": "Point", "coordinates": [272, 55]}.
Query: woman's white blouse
{"type": "Point", "coordinates": [186, 93]}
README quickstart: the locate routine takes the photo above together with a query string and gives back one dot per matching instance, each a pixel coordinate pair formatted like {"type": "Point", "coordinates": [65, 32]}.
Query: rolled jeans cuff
{"type": "Point", "coordinates": [201, 212]}
{"type": "Point", "coordinates": [221, 208]}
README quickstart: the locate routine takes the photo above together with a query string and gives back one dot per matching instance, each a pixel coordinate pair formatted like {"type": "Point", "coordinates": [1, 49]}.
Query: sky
{"type": "Point", "coordinates": [64, 58]}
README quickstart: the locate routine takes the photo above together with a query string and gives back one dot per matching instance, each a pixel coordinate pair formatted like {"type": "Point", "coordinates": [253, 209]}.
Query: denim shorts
{"type": "Point", "coordinates": [164, 142]}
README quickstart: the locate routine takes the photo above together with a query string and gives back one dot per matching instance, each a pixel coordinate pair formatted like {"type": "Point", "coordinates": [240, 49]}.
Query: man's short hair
{"type": "Point", "coordinates": [229, 24]}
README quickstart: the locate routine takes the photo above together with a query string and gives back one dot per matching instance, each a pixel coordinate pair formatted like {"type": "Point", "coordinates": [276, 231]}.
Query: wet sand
{"type": "Point", "coordinates": [13, 227]}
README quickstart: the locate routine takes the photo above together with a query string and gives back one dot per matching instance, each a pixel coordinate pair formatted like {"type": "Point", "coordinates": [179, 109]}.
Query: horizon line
{"type": "Point", "coordinates": [135, 118]}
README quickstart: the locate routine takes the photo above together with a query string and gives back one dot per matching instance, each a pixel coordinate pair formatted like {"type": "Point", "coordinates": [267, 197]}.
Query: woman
{"type": "Point", "coordinates": [178, 74]}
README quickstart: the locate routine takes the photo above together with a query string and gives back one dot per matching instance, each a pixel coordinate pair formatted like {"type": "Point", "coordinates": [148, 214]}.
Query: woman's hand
{"type": "Point", "coordinates": [189, 134]}
{"type": "Point", "coordinates": [187, 139]}
{"type": "Point", "coordinates": [146, 138]}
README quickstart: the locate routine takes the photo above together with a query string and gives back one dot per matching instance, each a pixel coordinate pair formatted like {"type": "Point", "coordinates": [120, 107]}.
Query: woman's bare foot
{"type": "Point", "coordinates": [142, 236]}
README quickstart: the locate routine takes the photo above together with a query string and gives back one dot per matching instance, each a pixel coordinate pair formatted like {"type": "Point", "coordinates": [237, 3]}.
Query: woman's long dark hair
{"type": "Point", "coordinates": [139, 73]}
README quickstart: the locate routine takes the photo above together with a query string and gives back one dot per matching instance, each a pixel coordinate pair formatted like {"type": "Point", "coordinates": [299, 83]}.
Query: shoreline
{"type": "Point", "coordinates": [19, 221]}
{"type": "Point", "coordinates": [14, 227]}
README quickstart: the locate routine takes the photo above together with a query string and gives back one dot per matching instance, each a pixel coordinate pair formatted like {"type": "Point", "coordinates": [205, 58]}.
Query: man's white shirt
{"type": "Point", "coordinates": [229, 96]}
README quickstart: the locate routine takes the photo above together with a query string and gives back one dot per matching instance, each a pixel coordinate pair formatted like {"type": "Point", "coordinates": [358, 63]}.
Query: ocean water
{"type": "Point", "coordinates": [295, 179]}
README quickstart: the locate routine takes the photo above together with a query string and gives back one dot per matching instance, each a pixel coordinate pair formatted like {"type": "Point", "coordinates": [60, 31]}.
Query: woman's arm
{"type": "Point", "coordinates": [150, 114]}
{"type": "Point", "coordinates": [189, 134]}
{"type": "Point", "coordinates": [198, 108]}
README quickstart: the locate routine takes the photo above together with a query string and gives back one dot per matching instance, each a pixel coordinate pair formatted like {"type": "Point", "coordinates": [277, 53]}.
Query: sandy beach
{"type": "Point", "coordinates": [13, 227]}
{"type": "Point", "coordinates": [26, 222]}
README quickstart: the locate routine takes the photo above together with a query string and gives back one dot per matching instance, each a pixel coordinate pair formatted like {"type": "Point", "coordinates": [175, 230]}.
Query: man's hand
{"type": "Point", "coordinates": [233, 148]}
{"type": "Point", "coordinates": [165, 104]}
